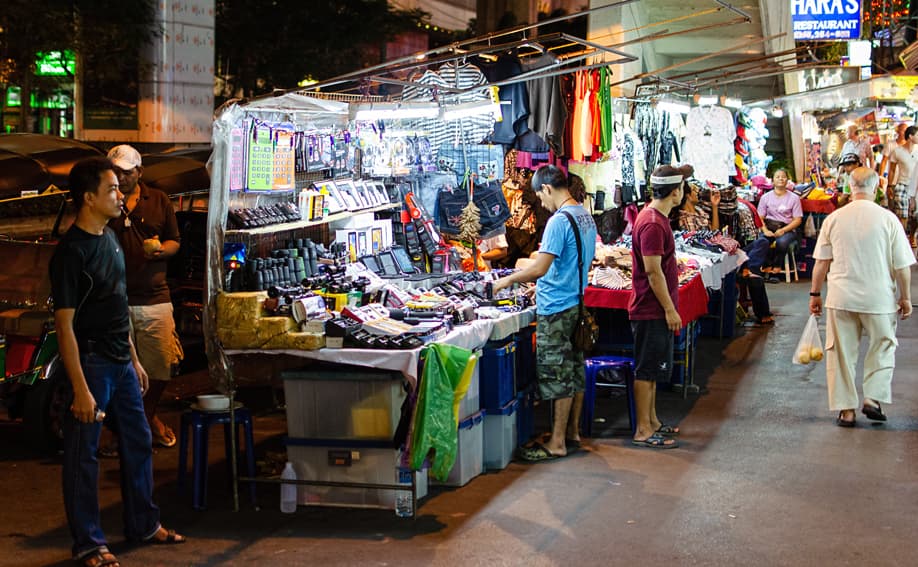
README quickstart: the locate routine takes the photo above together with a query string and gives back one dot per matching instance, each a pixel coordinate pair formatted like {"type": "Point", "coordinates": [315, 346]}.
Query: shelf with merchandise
{"type": "Point", "coordinates": [272, 228]}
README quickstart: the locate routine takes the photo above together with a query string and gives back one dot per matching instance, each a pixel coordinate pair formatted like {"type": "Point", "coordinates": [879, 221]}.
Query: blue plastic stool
{"type": "Point", "coordinates": [199, 422]}
{"type": "Point", "coordinates": [593, 366]}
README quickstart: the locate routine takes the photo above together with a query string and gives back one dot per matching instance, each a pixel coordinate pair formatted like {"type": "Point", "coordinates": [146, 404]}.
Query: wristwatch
{"type": "Point", "coordinates": [815, 294]}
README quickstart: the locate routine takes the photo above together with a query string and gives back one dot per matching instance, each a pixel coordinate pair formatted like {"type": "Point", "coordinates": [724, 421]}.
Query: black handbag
{"type": "Point", "coordinates": [586, 331]}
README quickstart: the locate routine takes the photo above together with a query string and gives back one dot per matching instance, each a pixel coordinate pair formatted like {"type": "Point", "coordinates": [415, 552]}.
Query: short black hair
{"type": "Point", "coordinates": [548, 175]}
{"type": "Point", "coordinates": [910, 131]}
{"type": "Point", "coordinates": [85, 177]}
{"type": "Point", "coordinates": [577, 187]}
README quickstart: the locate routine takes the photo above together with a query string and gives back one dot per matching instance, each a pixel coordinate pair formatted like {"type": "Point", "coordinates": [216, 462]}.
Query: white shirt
{"type": "Point", "coordinates": [867, 245]}
{"type": "Point", "coordinates": [488, 244]}
{"type": "Point", "coordinates": [708, 144]}
{"type": "Point", "coordinates": [906, 165]}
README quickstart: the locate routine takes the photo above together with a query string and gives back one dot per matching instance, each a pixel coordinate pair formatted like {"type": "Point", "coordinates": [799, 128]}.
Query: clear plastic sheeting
{"type": "Point", "coordinates": [307, 114]}
{"type": "Point", "coordinates": [445, 379]}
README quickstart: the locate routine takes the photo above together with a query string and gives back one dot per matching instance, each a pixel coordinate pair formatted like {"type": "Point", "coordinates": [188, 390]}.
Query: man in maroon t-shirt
{"type": "Point", "coordinates": [652, 310]}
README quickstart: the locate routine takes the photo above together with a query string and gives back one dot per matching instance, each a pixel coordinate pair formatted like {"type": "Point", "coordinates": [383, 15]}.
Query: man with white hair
{"type": "Point", "coordinates": [870, 257]}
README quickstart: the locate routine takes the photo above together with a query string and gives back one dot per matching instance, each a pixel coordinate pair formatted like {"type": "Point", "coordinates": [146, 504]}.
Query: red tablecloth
{"type": "Point", "coordinates": [693, 299]}
{"type": "Point", "coordinates": [822, 206]}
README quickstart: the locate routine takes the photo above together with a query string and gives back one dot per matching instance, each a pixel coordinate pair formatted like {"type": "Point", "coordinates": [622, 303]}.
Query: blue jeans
{"type": "Point", "coordinates": [116, 390]}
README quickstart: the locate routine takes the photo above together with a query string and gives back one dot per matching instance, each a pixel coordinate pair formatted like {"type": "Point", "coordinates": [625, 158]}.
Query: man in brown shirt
{"type": "Point", "coordinates": [148, 232]}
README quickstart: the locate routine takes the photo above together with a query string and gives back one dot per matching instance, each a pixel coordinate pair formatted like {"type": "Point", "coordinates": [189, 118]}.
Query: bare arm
{"type": "Point", "coordinates": [654, 268]}
{"type": "Point", "coordinates": [84, 405]}
{"type": "Point", "coordinates": [904, 281]}
{"type": "Point", "coordinates": [535, 270]}
{"type": "Point", "coordinates": [495, 254]}
{"type": "Point", "coordinates": [820, 269]}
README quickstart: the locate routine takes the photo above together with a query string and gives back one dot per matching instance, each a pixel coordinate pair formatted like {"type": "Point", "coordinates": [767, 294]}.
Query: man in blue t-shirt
{"type": "Point", "coordinates": [560, 366]}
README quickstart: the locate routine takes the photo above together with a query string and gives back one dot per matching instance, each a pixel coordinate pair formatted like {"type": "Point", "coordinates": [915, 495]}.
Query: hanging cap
{"type": "Point", "coordinates": [125, 157]}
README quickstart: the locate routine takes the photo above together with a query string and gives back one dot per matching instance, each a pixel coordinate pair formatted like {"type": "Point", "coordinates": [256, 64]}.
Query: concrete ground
{"type": "Point", "coordinates": [763, 477]}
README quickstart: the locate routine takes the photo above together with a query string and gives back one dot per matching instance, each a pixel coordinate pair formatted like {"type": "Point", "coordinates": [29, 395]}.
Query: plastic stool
{"type": "Point", "coordinates": [199, 422]}
{"type": "Point", "coordinates": [790, 263]}
{"type": "Point", "coordinates": [593, 366]}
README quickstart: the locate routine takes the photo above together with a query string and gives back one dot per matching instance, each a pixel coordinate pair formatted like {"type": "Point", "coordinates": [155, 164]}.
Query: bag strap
{"type": "Point", "coordinates": [576, 229]}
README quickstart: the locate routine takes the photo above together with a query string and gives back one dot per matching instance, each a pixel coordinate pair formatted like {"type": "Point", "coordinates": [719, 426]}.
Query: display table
{"type": "Point", "coordinates": [471, 336]}
{"type": "Point", "coordinates": [693, 299]}
{"type": "Point", "coordinates": [822, 206]}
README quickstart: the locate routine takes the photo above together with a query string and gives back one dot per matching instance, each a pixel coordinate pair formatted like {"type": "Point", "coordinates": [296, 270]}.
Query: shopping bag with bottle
{"type": "Point", "coordinates": [809, 347]}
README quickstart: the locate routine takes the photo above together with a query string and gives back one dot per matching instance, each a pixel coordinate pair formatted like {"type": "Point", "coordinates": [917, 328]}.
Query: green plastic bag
{"type": "Point", "coordinates": [445, 380]}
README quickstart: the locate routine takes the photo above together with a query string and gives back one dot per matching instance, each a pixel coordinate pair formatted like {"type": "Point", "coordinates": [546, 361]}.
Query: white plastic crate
{"type": "Point", "coordinates": [334, 405]}
{"type": "Point", "coordinates": [500, 436]}
{"type": "Point", "coordinates": [470, 454]}
{"type": "Point", "coordinates": [366, 465]}
{"type": "Point", "coordinates": [471, 403]}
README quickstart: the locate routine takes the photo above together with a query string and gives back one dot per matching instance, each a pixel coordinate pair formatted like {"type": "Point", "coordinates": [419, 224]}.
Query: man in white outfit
{"type": "Point", "coordinates": [869, 256]}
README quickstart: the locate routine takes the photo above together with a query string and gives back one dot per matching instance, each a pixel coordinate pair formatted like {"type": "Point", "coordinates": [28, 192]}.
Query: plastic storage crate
{"type": "Point", "coordinates": [343, 404]}
{"type": "Point", "coordinates": [470, 455]}
{"type": "Point", "coordinates": [470, 404]}
{"type": "Point", "coordinates": [499, 436]}
{"type": "Point", "coordinates": [498, 363]}
{"type": "Point", "coordinates": [525, 357]}
{"type": "Point", "coordinates": [366, 465]}
{"type": "Point", "coordinates": [525, 416]}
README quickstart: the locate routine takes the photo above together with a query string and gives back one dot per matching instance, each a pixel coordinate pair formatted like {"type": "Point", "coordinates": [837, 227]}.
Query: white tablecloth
{"type": "Point", "coordinates": [471, 336]}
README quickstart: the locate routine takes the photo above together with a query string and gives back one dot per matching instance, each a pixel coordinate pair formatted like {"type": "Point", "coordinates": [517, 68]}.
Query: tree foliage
{"type": "Point", "coordinates": [291, 40]}
{"type": "Point", "coordinates": [106, 35]}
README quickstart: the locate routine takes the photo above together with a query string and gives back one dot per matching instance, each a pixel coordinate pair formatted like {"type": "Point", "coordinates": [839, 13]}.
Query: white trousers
{"type": "Point", "coordinates": [844, 330]}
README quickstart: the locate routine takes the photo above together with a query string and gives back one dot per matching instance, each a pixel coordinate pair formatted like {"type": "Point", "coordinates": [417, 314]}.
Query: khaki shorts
{"type": "Point", "coordinates": [559, 367]}
{"type": "Point", "coordinates": [155, 338]}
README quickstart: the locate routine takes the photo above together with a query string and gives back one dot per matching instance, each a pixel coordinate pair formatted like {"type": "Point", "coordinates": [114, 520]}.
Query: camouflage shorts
{"type": "Point", "coordinates": [559, 367]}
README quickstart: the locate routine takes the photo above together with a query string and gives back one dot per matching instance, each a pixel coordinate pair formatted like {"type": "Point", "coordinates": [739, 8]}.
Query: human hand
{"type": "Point", "coordinates": [673, 320]}
{"type": "Point", "coordinates": [768, 233]}
{"type": "Point", "coordinates": [715, 198]}
{"type": "Point", "coordinates": [84, 407]}
{"type": "Point", "coordinates": [911, 206]}
{"type": "Point", "coordinates": [905, 308]}
{"type": "Point", "coordinates": [500, 284]}
{"type": "Point", "coordinates": [816, 305]}
{"type": "Point", "coordinates": [142, 377]}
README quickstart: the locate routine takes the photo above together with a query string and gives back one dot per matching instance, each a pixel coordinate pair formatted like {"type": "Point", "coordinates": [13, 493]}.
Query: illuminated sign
{"type": "Point", "coordinates": [826, 19]}
{"type": "Point", "coordinates": [55, 64]}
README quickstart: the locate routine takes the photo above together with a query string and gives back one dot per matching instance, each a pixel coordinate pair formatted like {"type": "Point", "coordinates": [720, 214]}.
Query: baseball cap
{"type": "Point", "coordinates": [850, 159]}
{"type": "Point", "coordinates": [124, 157]}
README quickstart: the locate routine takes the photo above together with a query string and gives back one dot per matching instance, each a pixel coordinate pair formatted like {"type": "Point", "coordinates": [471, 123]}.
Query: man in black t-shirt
{"type": "Point", "coordinates": [93, 330]}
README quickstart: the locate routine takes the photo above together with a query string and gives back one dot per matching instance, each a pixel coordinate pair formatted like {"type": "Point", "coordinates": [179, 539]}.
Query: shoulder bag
{"type": "Point", "coordinates": [586, 331]}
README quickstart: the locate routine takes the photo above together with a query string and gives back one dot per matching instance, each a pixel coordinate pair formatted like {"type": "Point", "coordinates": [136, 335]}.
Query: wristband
{"type": "Point", "coordinates": [815, 294]}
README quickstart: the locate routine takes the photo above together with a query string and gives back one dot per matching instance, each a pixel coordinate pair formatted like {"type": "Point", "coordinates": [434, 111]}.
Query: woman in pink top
{"type": "Point", "coordinates": [781, 214]}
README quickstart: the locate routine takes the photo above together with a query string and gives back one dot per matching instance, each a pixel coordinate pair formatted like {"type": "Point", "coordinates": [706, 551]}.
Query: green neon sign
{"type": "Point", "coordinates": [55, 64]}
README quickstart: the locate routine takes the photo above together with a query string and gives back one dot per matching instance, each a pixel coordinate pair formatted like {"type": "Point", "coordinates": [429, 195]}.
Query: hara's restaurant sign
{"type": "Point", "coordinates": [826, 19]}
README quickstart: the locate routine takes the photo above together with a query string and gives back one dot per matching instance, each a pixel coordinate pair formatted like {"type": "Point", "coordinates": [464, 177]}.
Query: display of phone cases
{"type": "Point", "coordinates": [379, 189]}
{"type": "Point", "coordinates": [368, 193]}
{"type": "Point", "coordinates": [349, 195]}
{"type": "Point", "coordinates": [332, 196]}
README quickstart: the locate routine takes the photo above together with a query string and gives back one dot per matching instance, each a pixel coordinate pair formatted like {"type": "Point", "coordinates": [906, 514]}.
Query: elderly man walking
{"type": "Point", "coordinates": [866, 256]}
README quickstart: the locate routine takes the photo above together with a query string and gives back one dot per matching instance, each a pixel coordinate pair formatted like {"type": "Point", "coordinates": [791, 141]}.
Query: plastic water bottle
{"type": "Point", "coordinates": [288, 491]}
{"type": "Point", "coordinates": [403, 504]}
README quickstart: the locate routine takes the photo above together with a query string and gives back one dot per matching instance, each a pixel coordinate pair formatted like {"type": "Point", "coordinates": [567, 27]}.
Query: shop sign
{"type": "Point", "coordinates": [895, 87]}
{"type": "Point", "coordinates": [826, 19]}
{"type": "Point", "coordinates": [55, 64]}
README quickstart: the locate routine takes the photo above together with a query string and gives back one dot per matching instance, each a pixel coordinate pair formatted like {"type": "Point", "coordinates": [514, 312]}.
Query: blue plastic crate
{"type": "Point", "coordinates": [525, 416]}
{"type": "Point", "coordinates": [525, 357]}
{"type": "Point", "coordinates": [496, 378]}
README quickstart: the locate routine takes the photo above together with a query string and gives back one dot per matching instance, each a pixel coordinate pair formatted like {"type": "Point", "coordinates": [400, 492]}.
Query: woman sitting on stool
{"type": "Point", "coordinates": [693, 217]}
{"type": "Point", "coordinates": [781, 213]}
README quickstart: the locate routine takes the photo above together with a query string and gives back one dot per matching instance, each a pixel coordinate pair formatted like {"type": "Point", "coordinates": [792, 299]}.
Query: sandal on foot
{"type": "Point", "coordinates": [536, 453]}
{"type": "Point", "coordinates": [668, 430]}
{"type": "Point", "coordinates": [573, 444]}
{"type": "Point", "coordinates": [170, 537]}
{"type": "Point", "coordinates": [656, 441]}
{"type": "Point", "coordinates": [99, 558]}
{"type": "Point", "coordinates": [844, 422]}
{"type": "Point", "coordinates": [874, 413]}
{"type": "Point", "coordinates": [165, 438]}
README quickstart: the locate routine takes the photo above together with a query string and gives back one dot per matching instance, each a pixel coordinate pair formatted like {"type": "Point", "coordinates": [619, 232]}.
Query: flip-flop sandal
{"type": "Point", "coordinates": [655, 441]}
{"type": "Point", "coordinates": [99, 558]}
{"type": "Point", "coordinates": [573, 444]}
{"type": "Point", "coordinates": [166, 438]}
{"type": "Point", "coordinates": [172, 538]}
{"type": "Point", "coordinates": [535, 454]}
{"type": "Point", "coordinates": [844, 422]}
{"type": "Point", "coordinates": [874, 413]}
{"type": "Point", "coordinates": [668, 430]}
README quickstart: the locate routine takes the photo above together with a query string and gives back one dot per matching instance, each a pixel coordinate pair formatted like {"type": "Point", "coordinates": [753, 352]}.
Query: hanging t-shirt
{"type": "Point", "coordinates": [708, 144]}
{"type": "Point", "coordinates": [547, 111]}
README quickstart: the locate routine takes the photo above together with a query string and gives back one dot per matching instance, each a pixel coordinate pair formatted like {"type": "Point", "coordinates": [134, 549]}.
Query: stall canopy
{"type": "Point", "coordinates": [174, 175]}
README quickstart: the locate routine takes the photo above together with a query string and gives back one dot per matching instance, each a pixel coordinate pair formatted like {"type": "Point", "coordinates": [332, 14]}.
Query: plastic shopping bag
{"type": "Point", "coordinates": [809, 227]}
{"type": "Point", "coordinates": [809, 347]}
